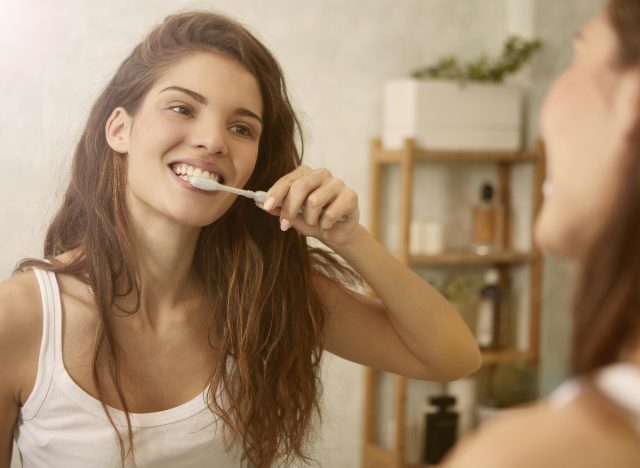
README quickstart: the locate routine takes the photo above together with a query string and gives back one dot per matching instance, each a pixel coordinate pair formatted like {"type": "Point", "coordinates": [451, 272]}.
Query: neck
{"type": "Point", "coordinates": [169, 282]}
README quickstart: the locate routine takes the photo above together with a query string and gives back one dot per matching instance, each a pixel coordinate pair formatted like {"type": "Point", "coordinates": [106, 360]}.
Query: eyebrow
{"type": "Point", "coordinates": [203, 100]}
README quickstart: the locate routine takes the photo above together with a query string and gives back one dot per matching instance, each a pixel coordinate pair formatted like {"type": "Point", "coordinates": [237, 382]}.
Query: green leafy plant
{"type": "Point", "coordinates": [461, 288]}
{"type": "Point", "coordinates": [515, 53]}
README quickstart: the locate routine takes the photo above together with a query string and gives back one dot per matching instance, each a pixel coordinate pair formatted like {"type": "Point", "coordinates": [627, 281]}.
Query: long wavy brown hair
{"type": "Point", "coordinates": [606, 311]}
{"type": "Point", "coordinates": [263, 308]}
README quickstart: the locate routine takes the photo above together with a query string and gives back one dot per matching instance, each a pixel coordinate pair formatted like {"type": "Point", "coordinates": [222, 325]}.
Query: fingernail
{"type": "Point", "coordinates": [284, 224]}
{"type": "Point", "coordinates": [269, 204]}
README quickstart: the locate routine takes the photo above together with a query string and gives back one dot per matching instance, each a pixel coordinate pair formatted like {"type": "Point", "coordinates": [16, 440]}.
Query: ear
{"type": "Point", "coordinates": [117, 130]}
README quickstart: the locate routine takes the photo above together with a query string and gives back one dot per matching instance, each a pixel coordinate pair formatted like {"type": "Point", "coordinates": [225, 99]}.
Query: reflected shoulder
{"type": "Point", "coordinates": [574, 435]}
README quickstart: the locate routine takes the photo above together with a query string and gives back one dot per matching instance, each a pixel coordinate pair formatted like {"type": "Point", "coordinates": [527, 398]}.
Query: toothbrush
{"type": "Point", "coordinates": [204, 183]}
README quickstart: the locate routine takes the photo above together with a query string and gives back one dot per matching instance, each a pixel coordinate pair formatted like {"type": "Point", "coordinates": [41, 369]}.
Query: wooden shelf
{"type": "Point", "coordinates": [378, 457]}
{"type": "Point", "coordinates": [471, 258]}
{"type": "Point", "coordinates": [395, 156]}
{"type": "Point", "coordinates": [406, 159]}
{"type": "Point", "coordinates": [506, 355]}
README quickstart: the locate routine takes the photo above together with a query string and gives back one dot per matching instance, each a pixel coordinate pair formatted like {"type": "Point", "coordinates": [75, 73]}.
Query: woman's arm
{"type": "Point", "coordinates": [20, 332]}
{"type": "Point", "coordinates": [8, 417]}
{"type": "Point", "coordinates": [411, 329]}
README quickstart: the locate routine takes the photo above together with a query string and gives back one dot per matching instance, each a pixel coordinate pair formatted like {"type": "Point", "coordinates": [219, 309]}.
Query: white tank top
{"type": "Point", "coordinates": [62, 426]}
{"type": "Point", "coordinates": [619, 382]}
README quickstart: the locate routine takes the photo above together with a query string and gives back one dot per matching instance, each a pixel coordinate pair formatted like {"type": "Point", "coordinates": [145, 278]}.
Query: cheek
{"type": "Point", "coordinates": [246, 163]}
{"type": "Point", "coordinates": [563, 103]}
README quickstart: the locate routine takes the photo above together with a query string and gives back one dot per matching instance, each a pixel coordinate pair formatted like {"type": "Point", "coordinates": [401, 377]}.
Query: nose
{"type": "Point", "coordinates": [209, 137]}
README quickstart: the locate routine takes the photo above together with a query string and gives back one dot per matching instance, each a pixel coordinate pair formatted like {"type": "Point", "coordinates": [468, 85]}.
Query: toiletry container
{"type": "Point", "coordinates": [426, 238]}
{"type": "Point", "coordinates": [489, 311]}
{"type": "Point", "coordinates": [487, 217]}
{"type": "Point", "coordinates": [441, 429]}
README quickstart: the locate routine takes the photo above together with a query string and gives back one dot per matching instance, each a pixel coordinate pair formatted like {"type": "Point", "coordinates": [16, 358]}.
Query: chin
{"type": "Point", "coordinates": [193, 219]}
{"type": "Point", "coordinates": [552, 237]}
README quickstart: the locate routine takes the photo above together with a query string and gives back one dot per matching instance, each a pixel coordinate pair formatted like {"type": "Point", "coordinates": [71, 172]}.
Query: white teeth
{"type": "Point", "coordinates": [185, 171]}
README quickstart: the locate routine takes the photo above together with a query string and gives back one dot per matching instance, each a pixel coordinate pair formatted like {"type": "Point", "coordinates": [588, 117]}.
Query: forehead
{"type": "Point", "coordinates": [215, 76]}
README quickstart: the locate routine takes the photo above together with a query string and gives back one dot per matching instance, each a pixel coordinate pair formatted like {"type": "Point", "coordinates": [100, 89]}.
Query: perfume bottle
{"type": "Point", "coordinates": [488, 320]}
{"type": "Point", "coordinates": [486, 220]}
{"type": "Point", "coordinates": [441, 429]}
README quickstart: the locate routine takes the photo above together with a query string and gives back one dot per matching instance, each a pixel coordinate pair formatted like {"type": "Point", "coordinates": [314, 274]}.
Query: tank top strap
{"type": "Point", "coordinates": [51, 345]}
{"type": "Point", "coordinates": [621, 383]}
{"type": "Point", "coordinates": [618, 383]}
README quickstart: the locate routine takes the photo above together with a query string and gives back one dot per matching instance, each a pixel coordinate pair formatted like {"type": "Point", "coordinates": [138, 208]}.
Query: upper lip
{"type": "Point", "coordinates": [204, 165]}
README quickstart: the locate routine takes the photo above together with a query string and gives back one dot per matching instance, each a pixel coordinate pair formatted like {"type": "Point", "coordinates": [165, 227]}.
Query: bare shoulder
{"type": "Point", "coordinates": [579, 434]}
{"type": "Point", "coordinates": [20, 330]}
{"type": "Point", "coordinates": [20, 303]}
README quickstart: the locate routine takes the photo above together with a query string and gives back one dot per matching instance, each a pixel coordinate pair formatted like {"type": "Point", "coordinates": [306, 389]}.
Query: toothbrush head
{"type": "Point", "coordinates": [204, 183]}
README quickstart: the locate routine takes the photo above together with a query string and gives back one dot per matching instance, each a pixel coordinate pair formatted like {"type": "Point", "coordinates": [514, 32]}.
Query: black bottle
{"type": "Point", "coordinates": [441, 429]}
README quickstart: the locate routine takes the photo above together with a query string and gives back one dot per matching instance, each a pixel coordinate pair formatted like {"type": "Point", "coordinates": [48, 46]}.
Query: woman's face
{"type": "Point", "coordinates": [585, 121]}
{"type": "Point", "coordinates": [204, 113]}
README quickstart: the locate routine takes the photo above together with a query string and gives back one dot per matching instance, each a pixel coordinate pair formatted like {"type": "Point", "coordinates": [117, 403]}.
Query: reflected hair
{"type": "Point", "coordinates": [606, 314]}
{"type": "Point", "coordinates": [266, 317]}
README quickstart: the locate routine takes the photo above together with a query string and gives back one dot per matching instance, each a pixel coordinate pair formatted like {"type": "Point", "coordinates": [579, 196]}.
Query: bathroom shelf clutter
{"type": "Point", "coordinates": [392, 453]}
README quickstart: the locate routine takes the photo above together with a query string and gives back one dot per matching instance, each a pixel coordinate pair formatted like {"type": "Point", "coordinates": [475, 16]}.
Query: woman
{"type": "Point", "coordinates": [591, 122]}
{"type": "Point", "coordinates": [154, 293]}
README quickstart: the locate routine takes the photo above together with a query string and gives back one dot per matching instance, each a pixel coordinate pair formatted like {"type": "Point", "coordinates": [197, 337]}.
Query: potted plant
{"type": "Point", "coordinates": [451, 105]}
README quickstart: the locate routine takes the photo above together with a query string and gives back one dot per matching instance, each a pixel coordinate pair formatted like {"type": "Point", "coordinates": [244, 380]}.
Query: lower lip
{"type": "Point", "coordinates": [188, 186]}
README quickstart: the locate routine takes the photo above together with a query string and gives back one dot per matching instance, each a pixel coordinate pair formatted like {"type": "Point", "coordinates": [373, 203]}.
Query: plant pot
{"type": "Point", "coordinates": [448, 115]}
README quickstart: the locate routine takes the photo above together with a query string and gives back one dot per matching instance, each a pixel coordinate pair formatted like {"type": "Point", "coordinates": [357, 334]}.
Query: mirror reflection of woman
{"type": "Point", "coordinates": [169, 326]}
{"type": "Point", "coordinates": [591, 124]}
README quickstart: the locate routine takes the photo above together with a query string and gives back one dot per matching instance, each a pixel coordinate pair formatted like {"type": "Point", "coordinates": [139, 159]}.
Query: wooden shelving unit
{"type": "Point", "coordinates": [469, 258]}
{"type": "Point", "coordinates": [373, 455]}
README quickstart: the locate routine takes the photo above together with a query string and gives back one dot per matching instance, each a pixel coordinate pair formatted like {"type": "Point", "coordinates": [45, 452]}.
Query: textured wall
{"type": "Point", "coordinates": [336, 55]}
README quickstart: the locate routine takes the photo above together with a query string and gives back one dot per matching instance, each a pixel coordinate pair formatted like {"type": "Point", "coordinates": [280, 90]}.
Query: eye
{"type": "Point", "coordinates": [182, 109]}
{"type": "Point", "coordinates": [243, 130]}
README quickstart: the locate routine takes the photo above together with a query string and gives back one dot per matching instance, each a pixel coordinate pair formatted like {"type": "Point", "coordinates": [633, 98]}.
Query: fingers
{"type": "Point", "coordinates": [278, 191]}
{"type": "Point", "coordinates": [325, 198]}
{"type": "Point", "coordinates": [289, 193]}
{"type": "Point", "coordinates": [344, 204]}
{"type": "Point", "coordinates": [318, 200]}
{"type": "Point", "coordinates": [299, 191]}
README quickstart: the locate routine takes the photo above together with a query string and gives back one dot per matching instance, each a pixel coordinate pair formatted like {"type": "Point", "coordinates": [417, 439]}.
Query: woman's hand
{"type": "Point", "coordinates": [326, 199]}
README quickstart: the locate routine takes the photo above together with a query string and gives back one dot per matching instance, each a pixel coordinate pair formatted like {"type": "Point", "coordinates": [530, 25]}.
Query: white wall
{"type": "Point", "coordinates": [336, 55]}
